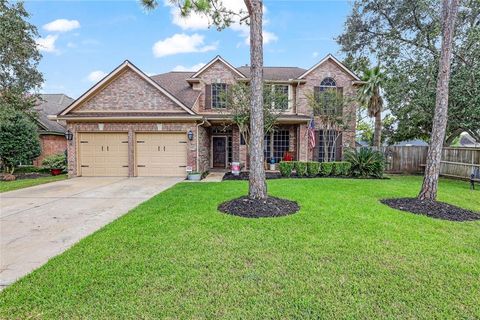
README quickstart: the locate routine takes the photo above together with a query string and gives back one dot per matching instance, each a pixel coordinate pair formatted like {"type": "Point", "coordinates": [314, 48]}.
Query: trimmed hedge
{"type": "Point", "coordinates": [313, 168]}
{"type": "Point", "coordinates": [326, 168]}
{"type": "Point", "coordinates": [301, 168]}
{"type": "Point", "coordinates": [341, 168]}
{"type": "Point", "coordinates": [286, 168]}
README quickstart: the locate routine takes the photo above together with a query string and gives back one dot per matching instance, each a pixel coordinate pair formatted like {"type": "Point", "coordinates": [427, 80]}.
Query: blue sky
{"type": "Point", "coordinates": [83, 40]}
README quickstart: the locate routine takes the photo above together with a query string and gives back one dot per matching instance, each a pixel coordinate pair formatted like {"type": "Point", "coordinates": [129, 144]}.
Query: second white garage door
{"type": "Point", "coordinates": [161, 154]}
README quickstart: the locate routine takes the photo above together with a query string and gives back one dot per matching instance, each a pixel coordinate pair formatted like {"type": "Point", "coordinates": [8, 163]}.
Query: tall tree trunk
{"type": "Point", "coordinates": [377, 133]}
{"type": "Point", "coordinates": [432, 169]}
{"type": "Point", "coordinates": [257, 183]}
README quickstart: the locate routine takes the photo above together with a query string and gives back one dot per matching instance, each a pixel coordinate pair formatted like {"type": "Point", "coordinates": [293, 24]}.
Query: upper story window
{"type": "Point", "coordinates": [327, 83]}
{"type": "Point", "coordinates": [218, 95]}
{"type": "Point", "coordinates": [329, 98]}
{"type": "Point", "coordinates": [279, 98]}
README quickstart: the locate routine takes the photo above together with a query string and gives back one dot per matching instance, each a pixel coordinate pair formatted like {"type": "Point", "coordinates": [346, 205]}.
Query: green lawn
{"type": "Point", "coordinates": [344, 255]}
{"type": "Point", "coordinates": [24, 183]}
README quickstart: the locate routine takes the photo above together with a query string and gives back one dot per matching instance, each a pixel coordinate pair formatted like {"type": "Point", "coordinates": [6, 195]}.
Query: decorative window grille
{"type": "Point", "coordinates": [222, 130]}
{"type": "Point", "coordinates": [218, 95]}
{"type": "Point", "coordinates": [281, 144]}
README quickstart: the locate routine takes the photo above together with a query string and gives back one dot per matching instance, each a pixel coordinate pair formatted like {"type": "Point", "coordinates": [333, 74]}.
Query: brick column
{"type": "Point", "coordinates": [131, 152]}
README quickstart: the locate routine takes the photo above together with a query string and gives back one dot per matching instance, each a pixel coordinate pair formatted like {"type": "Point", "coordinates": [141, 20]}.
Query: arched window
{"type": "Point", "coordinates": [328, 83]}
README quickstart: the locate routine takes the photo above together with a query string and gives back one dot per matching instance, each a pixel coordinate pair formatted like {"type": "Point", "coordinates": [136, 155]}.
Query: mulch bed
{"type": "Point", "coordinates": [433, 209]}
{"type": "Point", "coordinates": [251, 208]}
{"type": "Point", "coordinates": [31, 175]}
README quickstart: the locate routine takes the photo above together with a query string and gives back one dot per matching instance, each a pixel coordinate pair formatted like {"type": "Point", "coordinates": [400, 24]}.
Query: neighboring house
{"type": "Point", "coordinates": [411, 143]}
{"type": "Point", "coordinates": [52, 133]}
{"type": "Point", "coordinates": [468, 141]}
{"type": "Point", "coordinates": [130, 124]}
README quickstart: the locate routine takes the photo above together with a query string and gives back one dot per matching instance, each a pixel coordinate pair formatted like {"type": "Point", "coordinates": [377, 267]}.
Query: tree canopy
{"type": "Point", "coordinates": [404, 37]}
{"type": "Point", "coordinates": [19, 57]}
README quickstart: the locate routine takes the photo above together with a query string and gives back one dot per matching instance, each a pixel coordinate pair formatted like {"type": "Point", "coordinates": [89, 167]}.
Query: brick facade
{"type": "Point", "coordinates": [50, 144]}
{"type": "Point", "coordinates": [129, 92]}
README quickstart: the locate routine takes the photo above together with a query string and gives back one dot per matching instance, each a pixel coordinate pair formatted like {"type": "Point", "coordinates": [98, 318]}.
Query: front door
{"type": "Point", "coordinates": [219, 152]}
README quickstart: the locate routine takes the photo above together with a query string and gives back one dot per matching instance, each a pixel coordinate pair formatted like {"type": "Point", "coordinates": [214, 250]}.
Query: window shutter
{"type": "Point", "coordinates": [208, 96]}
{"type": "Point", "coordinates": [340, 94]}
{"type": "Point", "coordinates": [338, 147]}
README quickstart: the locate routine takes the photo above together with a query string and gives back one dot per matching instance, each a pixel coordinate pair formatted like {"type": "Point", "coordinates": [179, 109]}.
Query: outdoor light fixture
{"type": "Point", "coordinates": [190, 135]}
{"type": "Point", "coordinates": [69, 135]}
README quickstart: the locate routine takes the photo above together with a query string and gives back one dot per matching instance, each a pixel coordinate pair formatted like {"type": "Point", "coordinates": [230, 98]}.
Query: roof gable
{"type": "Point", "coordinates": [336, 61]}
{"type": "Point", "coordinates": [117, 73]}
{"type": "Point", "coordinates": [220, 59]}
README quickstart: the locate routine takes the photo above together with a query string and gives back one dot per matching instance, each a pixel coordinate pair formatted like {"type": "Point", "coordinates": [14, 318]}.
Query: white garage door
{"type": "Point", "coordinates": [103, 154]}
{"type": "Point", "coordinates": [161, 154]}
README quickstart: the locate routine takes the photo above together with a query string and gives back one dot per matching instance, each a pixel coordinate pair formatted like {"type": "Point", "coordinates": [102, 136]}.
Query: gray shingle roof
{"type": "Point", "coordinates": [176, 83]}
{"type": "Point", "coordinates": [51, 104]}
{"type": "Point", "coordinates": [275, 73]}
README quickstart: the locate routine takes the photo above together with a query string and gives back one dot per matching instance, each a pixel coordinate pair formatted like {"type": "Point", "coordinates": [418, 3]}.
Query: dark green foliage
{"type": "Point", "coordinates": [340, 168]}
{"type": "Point", "coordinates": [56, 161]}
{"type": "Point", "coordinates": [301, 168]}
{"type": "Point", "coordinates": [404, 36]}
{"type": "Point", "coordinates": [19, 142]}
{"type": "Point", "coordinates": [286, 168]}
{"type": "Point", "coordinates": [365, 162]}
{"type": "Point", "coordinates": [313, 168]}
{"type": "Point", "coordinates": [326, 168]}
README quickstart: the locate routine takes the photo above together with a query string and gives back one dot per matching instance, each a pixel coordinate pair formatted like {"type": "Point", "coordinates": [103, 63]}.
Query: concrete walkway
{"type": "Point", "coordinates": [38, 223]}
{"type": "Point", "coordinates": [214, 177]}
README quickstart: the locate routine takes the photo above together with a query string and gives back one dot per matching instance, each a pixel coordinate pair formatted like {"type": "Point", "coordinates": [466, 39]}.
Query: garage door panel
{"type": "Point", "coordinates": [161, 154]}
{"type": "Point", "coordinates": [103, 154]}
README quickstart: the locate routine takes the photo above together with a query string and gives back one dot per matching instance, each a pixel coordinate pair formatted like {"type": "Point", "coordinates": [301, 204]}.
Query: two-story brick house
{"type": "Point", "coordinates": [130, 124]}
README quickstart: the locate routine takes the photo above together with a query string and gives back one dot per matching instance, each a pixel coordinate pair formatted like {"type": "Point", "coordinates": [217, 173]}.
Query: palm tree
{"type": "Point", "coordinates": [371, 99]}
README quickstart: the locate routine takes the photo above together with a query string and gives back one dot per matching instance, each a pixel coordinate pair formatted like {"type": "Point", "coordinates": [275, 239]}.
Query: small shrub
{"type": "Point", "coordinates": [313, 168]}
{"type": "Point", "coordinates": [56, 161]}
{"type": "Point", "coordinates": [366, 162]}
{"type": "Point", "coordinates": [341, 168]}
{"type": "Point", "coordinates": [326, 168]}
{"type": "Point", "coordinates": [301, 168]}
{"type": "Point", "coordinates": [286, 168]}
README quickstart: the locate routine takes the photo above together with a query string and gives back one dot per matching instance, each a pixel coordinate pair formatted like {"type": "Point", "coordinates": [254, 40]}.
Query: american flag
{"type": "Point", "coordinates": [311, 133]}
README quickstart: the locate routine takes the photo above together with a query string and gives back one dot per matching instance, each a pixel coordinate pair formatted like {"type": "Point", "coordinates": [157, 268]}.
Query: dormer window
{"type": "Point", "coordinates": [218, 95]}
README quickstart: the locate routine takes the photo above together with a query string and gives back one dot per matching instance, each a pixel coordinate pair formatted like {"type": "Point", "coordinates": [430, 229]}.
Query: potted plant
{"type": "Point", "coordinates": [55, 163]}
{"type": "Point", "coordinates": [194, 176]}
{"type": "Point", "coordinates": [272, 164]}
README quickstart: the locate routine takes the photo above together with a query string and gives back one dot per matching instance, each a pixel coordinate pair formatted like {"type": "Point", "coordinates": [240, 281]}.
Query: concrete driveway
{"type": "Point", "coordinates": [37, 223]}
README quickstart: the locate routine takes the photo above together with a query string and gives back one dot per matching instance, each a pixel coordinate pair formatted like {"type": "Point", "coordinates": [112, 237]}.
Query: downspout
{"type": "Point", "coordinates": [198, 143]}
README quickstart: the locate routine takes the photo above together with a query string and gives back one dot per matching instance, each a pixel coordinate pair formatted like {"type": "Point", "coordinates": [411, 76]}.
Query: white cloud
{"type": "Point", "coordinates": [268, 37]}
{"type": "Point", "coordinates": [195, 67]}
{"type": "Point", "coordinates": [47, 44]}
{"type": "Point", "coordinates": [96, 76]}
{"type": "Point", "coordinates": [62, 25]}
{"type": "Point", "coordinates": [181, 43]}
{"type": "Point", "coordinates": [315, 54]}
{"type": "Point", "coordinates": [198, 21]}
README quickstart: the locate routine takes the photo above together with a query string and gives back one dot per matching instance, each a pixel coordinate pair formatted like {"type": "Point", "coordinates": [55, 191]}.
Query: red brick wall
{"type": "Point", "coordinates": [51, 144]}
{"type": "Point", "coordinates": [129, 92]}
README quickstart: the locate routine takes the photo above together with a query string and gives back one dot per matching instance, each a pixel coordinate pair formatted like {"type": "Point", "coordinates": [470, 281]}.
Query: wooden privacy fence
{"type": "Point", "coordinates": [456, 162]}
